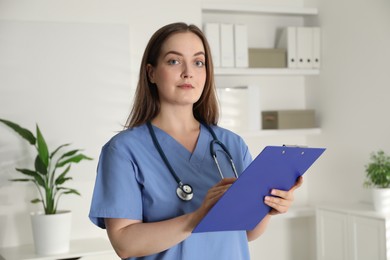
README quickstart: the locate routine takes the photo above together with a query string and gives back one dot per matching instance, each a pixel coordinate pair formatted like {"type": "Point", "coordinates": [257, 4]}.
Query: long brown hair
{"type": "Point", "coordinates": [146, 101]}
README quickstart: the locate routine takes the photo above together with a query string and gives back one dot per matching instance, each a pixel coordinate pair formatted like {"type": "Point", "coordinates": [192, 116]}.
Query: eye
{"type": "Point", "coordinates": [173, 62]}
{"type": "Point", "coordinates": [199, 63]}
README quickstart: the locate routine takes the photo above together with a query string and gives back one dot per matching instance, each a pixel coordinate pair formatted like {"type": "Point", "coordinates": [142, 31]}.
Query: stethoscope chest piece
{"type": "Point", "coordinates": [184, 192]}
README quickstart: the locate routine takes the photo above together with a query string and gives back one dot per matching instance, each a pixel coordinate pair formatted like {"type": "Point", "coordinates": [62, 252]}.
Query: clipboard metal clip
{"type": "Point", "coordinates": [294, 146]}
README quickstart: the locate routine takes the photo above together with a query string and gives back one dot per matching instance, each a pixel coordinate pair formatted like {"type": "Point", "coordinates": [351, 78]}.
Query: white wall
{"type": "Point", "coordinates": [352, 97]}
{"type": "Point", "coordinates": [71, 67]}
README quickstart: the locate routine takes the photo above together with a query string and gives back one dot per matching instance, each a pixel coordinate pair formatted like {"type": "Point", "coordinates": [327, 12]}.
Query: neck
{"type": "Point", "coordinates": [176, 121]}
{"type": "Point", "coordinates": [175, 125]}
{"type": "Point", "coordinates": [183, 127]}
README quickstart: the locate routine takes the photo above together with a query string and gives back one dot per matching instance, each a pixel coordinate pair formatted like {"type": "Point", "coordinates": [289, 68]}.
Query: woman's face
{"type": "Point", "coordinates": [180, 73]}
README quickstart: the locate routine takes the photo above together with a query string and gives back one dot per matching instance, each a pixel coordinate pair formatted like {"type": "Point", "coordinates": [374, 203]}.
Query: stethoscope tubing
{"type": "Point", "coordinates": [224, 149]}
{"type": "Point", "coordinates": [185, 191]}
{"type": "Point", "coordinates": [162, 154]}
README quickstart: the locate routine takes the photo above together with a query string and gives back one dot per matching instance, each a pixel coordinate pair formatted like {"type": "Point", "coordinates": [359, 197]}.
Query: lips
{"type": "Point", "coordinates": [186, 86]}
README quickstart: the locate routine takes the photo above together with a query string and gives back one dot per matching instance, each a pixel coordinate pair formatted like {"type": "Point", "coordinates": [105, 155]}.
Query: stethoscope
{"type": "Point", "coordinates": [185, 191]}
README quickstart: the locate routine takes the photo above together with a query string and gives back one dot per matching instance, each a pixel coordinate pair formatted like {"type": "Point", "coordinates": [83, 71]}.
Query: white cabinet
{"type": "Point", "coordinates": [280, 88]}
{"type": "Point", "coordinates": [368, 238]}
{"type": "Point", "coordinates": [332, 232]}
{"type": "Point", "coordinates": [350, 234]}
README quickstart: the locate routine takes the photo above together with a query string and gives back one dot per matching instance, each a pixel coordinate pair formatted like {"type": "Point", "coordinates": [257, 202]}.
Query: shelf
{"type": "Point", "coordinates": [78, 248]}
{"type": "Point", "coordinates": [364, 209]}
{"type": "Point", "coordinates": [264, 72]}
{"type": "Point", "coordinates": [298, 212]}
{"type": "Point", "coordinates": [258, 9]}
{"type": "Point", "coordinates": [281, 132]}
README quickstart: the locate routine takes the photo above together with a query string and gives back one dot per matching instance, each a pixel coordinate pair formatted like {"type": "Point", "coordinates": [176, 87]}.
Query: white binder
{"type": "Point", "coordinates": [227, 45]}
{"type": "Point", "coordinates": [288, 40]}
{"type": "Point", "coordinates": [211, 31]}
{"type": "Point", "coordinates": [316, 32]}
{"type": "Point", "coordinates": [304, 47]}
{"type": "Point", "coordinates": [241, 45]}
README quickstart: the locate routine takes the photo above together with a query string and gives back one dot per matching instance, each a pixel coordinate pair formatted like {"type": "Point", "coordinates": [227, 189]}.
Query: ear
{"type": "Point", "coordinates": [150, 72]}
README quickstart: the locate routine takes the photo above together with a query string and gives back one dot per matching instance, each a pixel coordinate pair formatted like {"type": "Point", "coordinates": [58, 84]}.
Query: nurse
{"type": "Point", "coordinates": [136, 196]}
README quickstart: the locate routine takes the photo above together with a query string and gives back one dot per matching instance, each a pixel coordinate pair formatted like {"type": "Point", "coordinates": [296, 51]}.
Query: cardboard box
{"type": "Point", "coordinates": [267, 58]}
{"type": "Point", "coordinates": [288, 119]}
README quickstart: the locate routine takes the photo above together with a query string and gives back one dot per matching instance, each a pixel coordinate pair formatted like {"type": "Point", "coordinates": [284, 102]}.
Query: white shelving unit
{"type": "Point", "coordinates": [258, 9]}
{"type": "Point", "coordinates": [263, 21]}
{"type": "Point", "coordinates": [265, 72]}
{"type": "Point", "coordinates": [281, 132]}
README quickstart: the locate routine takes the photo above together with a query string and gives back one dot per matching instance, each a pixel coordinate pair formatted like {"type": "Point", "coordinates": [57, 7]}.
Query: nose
{"type": "Point", "coordinates": [187, 71]}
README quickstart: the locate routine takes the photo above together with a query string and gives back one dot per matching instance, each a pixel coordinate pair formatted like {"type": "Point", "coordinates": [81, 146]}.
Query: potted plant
{"type": "Point", "coordinates": [49, 174]}
{"type": "Point", "coordinates": [378, 178]}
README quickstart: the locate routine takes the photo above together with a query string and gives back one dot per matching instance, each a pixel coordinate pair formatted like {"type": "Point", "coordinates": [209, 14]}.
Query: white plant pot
{"type": "Point", "coordinates": [51, 232]}
{"type": "Point", "coordinates": [381, 200]}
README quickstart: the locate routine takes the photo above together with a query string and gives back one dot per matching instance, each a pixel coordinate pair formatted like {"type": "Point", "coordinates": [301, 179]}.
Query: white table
{"type": "Point", "coordinates": [78, 248]}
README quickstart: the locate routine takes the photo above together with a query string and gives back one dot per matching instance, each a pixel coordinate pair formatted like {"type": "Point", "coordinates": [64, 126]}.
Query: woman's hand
{"type": "Point", "coordinates": [132, 238]}
{"type": "Point", "coordinates": [280, 201]}
{"type": "Point", "coordinates": [212, 196]}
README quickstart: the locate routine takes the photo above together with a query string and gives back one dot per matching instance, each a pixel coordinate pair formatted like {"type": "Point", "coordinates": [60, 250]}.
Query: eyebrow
{"type": "Point", "coordinates": [180, 54]}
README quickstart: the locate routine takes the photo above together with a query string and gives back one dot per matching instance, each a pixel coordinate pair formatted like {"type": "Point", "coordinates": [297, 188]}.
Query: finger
{"type": "Point", "coordinates": [277, 204]}
{"type": "Point", "coordinates": [278, 209]}
{"type": "Point", "coordinates": [215, 197]}
{"type": "Point", "coordinates": [280, 193]}
{"type": "Point", "coordinates": [221, 187]}
{"type": "Point", "coordinates": [226, 181]}
{"type": "Point", "coordinates": [276, 201]}
{"type": "Point", "coordinates": [212, 197]}
{"type": "Point", "coordinates": [297, 184]}
{"type": "Point", "coordinates": [218, 190]}
{"type": "Point", "coordinates": [288, 194]}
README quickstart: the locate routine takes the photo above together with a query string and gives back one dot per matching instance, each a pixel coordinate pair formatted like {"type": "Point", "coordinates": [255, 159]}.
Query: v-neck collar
{"type": "Point", "coordinates": [170, 145]}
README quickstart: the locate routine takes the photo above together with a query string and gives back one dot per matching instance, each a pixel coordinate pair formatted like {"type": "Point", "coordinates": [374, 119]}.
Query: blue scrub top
{"type": "Point", "coordinates": [133, 182]}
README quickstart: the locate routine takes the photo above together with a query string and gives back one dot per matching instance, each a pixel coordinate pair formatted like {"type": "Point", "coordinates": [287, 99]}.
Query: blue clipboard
{"type": "Point", "coordinates": [242, 207]}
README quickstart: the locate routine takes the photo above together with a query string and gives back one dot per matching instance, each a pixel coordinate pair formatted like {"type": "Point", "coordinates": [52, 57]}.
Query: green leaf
{"type": "Point", "coordinates": [42, 148]}
{"type": "Point", "coordinates": [22, 180]}
{"type": "Point", "coordinates": [61, 178]}
{"type": "Point", "coordinates": [44, 174]}
{"type": "Point", "coordinates": [70, 153]}
{"type": "Point", "coordinates": [75, 159]}
{"type": "Point", "coordinates": [72, 192]}
{"type": "Point", "coordinates": [36, 201]}
{"type": "Point", "coordinates": [27, 172]}
{"type": "Point", "coordinates": [40, 166]}
{"type": "Point", "coordinates": [56, 150]}
{"type": "Point", "coordinates": [69, 191]}
{"type": "Point", "coordinates": [378, 170]}
{"type": "Point", "coordinates": [23, 132]}
{"type": "Point", "coordinates": [33, 174]}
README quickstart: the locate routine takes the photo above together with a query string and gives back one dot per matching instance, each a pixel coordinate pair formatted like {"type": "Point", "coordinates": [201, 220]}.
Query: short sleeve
{"type": "Point", "coordinates": [247, 159]}
{"type": "Point", "coordinates": [117, 193]}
